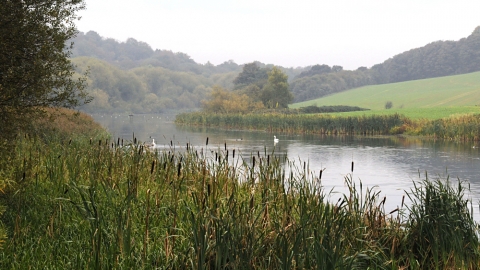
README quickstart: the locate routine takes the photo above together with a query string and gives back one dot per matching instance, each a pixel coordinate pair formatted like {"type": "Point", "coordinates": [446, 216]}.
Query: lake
{"type": "Point", "coordinates": [387, 163]}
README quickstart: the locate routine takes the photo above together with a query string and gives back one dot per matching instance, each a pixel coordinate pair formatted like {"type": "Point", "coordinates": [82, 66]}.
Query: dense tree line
{"type": "Point", "coordinates": [130, 76]}
{"type": "Point", "coordinates": [440, 58]}
{"type": "Point", "coordinates": [144, 89]}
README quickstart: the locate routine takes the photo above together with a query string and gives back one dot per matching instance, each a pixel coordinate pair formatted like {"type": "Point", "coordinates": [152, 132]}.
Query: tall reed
{"type": "Point", "coordinates": [91, 205]}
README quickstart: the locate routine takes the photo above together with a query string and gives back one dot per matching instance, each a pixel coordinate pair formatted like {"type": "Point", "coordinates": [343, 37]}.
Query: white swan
{"type": "Point", "coordinates": [275, 140]}
{"type": "Point", "coordinates": [151, 145]}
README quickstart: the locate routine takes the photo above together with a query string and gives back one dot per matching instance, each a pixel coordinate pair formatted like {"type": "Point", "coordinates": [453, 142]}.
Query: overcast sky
{"type": "Point", "coordinates": [350, 33]}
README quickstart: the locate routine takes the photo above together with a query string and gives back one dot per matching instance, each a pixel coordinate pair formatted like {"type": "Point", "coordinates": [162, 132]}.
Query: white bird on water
{"type": "Point", "coordinates": [275, 140]}
{"type": "Point", "coordinates": [151, 145]}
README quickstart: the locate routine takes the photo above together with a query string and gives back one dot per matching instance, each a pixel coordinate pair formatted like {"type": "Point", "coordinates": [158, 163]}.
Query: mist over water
{"type": "Point", "coordinates": [387, 163]}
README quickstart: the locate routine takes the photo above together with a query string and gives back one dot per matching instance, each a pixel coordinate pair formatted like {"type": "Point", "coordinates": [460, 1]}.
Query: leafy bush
{"type": "Point", "coordinates": [388, 105]}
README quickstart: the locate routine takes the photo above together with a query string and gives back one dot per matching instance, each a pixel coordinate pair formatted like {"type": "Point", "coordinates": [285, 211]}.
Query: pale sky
{"type": "Point", "coordinates": [349, 33]}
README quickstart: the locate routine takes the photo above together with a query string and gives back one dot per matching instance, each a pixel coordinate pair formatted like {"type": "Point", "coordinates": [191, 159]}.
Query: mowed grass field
{"type": "Point", "coordinates": [429, 98]}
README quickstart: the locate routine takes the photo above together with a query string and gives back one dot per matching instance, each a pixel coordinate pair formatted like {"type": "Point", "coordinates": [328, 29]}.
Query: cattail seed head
{"type": "Point", "coordinates": [153, 167]}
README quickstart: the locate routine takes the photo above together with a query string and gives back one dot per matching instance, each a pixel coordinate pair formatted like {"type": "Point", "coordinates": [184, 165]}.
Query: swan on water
{"type": "Point", "coordinates": [151, 145]}
{"type": "Point", "coordinates": [275, 139]}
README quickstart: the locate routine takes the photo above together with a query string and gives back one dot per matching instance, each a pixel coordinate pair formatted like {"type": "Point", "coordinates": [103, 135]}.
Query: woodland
{"type": "Point", "coordinates": [132, 77]}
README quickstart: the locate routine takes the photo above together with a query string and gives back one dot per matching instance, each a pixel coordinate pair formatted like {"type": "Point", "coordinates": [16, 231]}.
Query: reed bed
{"type": "Point", "coordinates": [460, 128]}
{"type": "Point", "coordinates": [296, 123]}
{"type": "Point", "coordinates": [111, 204]}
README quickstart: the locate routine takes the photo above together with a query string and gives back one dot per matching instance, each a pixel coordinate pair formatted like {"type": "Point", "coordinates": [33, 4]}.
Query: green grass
{"type": "Point", "coordinates": [417, 113]}
{"type": "Point", "coordinates": [457, 94]}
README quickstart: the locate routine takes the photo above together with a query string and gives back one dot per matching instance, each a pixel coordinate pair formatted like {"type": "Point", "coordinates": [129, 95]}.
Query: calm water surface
{"type": "Point", "coordinates": [389, 164]}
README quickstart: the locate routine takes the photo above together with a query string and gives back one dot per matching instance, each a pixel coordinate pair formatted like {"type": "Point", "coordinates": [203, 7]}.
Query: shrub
{"type": "Point", "coordinates": [388, 105]}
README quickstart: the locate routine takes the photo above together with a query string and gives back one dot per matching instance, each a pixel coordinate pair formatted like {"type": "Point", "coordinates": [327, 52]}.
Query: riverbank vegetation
{"type": "Point", "coordinates": [100, 203]}
{"type": "Point", "coordinates": [461, 127]}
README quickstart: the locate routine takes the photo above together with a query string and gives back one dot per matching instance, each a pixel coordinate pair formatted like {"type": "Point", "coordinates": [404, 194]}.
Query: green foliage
{"type": "Point", "coordinates": [458, 128]}
{"type": "Point", "coordinates": [35, 71]}
{"type": "Point", "coordinates": [251, 74]}
{"type": "Point", "coordinates": [296, 123]}
{"type": "Point", "coordinates": [315, 70]}
{"type": "Point", "coordinates": [144, 89]}
{"type": "Point", "coordinates": [107, 205]}
{"type": "Point", "coordinates": [276, 93]}
{"type": "Point", "coordinates": [440, 223]}
{"type": "Point", "coordinates": [223, 101]}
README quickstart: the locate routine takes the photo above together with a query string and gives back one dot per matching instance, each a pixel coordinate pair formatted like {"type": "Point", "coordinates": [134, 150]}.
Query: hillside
{"type": "Point", "coordinates": [444, 92]}
{"type": "Point", "coordinates": [440, 58]}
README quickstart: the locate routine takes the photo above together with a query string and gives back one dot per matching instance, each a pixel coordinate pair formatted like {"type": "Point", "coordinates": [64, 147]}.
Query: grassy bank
{"type": "Point", "coordinates": [461, 127]}
{"type": "Point", "coordinates": [106, 204]}
{"type": "Point", "coordinates": [434, 113]}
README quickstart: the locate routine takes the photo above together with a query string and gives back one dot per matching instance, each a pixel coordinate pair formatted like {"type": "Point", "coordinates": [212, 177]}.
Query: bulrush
{"type": "Point", "coordinates": [210, 216]}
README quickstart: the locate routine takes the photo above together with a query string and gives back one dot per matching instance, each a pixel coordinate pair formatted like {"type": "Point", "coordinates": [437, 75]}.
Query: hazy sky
{"type": "Point", "coordinates": [350, 33]}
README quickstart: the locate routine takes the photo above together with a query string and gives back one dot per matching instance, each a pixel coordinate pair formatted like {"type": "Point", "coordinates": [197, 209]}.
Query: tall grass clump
{"type": "Point", "coordinates": [461, 128]}
{"type": "Point", "coordinates": [440, 231]}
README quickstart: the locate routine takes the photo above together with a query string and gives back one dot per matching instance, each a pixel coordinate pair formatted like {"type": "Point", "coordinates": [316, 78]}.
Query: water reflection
{"type": "Point", "coordinates": [390, 163]}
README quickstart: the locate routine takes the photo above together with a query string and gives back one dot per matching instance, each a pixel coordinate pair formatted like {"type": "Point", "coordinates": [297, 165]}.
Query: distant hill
{"type": "Point", "coordinates": [130, 76]}
{"type": "Point", "coordinates": [440, 58]}
{"type": "Point", "coordinates": [133, 53]}
{"type": "Point", "coordinates": [455, 90]}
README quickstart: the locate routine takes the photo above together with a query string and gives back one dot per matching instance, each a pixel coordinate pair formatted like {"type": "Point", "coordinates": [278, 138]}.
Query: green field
{"type": "Point", "coordinates": [428, 98]}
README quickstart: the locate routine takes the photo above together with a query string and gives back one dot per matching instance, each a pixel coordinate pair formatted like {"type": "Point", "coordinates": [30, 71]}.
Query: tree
{"type": "Point", "coordinates": [35, 70]}
{"type": "Point", "coordinates": [337, 68]}
{"type": "Point", "coordinates": [276, 93]}
{"type": "Point", "coordinates": [223, 101]}
{"type": "Point", "coordinates": [251, 74]}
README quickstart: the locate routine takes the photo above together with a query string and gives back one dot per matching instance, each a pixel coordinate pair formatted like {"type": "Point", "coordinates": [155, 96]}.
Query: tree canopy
{"type": "Point", "coordinates": [223, 101]}
{"type": "Point", "coordinates": [276, 93]}
{"type": "Point", "coordinates": [251, 74]}
{"type": "Point", "coordinates": [35, 70]}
